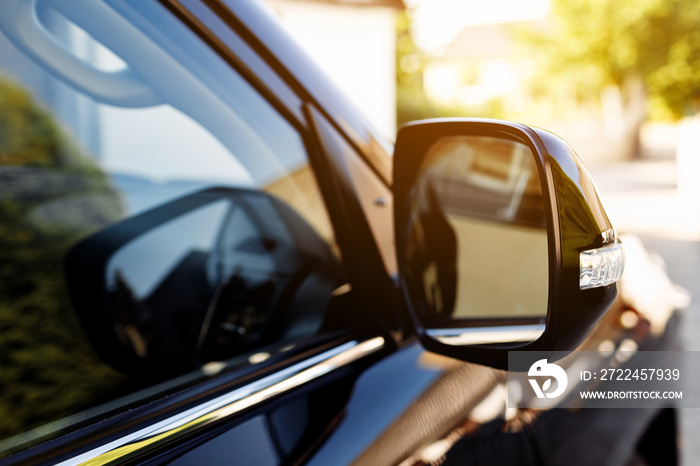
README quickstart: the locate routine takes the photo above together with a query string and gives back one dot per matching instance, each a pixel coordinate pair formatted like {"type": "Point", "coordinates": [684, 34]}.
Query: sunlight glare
{"type": "Point", "coordinates": [437, 22]}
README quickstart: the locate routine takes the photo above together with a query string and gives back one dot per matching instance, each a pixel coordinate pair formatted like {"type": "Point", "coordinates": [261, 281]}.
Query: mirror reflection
{"type": "Point", "coordinates": [477, 234]}
{"type": "Point", "coordinates": [207, 276]}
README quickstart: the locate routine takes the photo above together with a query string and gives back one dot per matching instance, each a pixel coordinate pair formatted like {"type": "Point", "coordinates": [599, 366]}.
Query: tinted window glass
{"type": "Point", "coordinates": [164, 209]}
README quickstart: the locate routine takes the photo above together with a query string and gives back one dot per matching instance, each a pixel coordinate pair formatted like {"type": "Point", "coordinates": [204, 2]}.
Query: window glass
{"type": "Point", "coordinates": [154, 218]}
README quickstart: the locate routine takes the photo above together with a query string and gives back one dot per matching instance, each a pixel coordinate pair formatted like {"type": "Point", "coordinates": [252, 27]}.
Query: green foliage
{"type": "Point", "coordinates": [597, 43]}
{"type": "Point", "coordinates": [29, 137]}
{"type": "Point", "coordinates": [51, 197]}
{"type": "Point", "coordinates": [409, 58]}
{"type": "Point", "coordinates": [415, 105]}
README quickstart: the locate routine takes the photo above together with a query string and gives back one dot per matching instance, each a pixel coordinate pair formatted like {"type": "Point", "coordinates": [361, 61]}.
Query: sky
{"type": "Point", "coordinates": [437, 22]}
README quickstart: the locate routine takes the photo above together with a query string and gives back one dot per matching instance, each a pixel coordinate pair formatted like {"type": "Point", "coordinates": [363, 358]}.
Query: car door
{"type": "Point", "coordinates": [412, 406]}
{"type": "Point", "coordinates": [171, 264]}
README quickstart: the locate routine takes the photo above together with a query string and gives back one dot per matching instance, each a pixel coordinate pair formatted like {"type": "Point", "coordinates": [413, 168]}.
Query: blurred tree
{"type": "Point", "coordinates": [409, 58]}
{"type": "Point", "coordinates": [411, 101]}
{"type": "Point", "coordinates": [52, 196]}
{"type": "Point", "coordinates": [649, 50]}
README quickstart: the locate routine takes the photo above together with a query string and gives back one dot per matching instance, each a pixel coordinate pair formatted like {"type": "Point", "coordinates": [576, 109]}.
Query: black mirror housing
{"type": "Point", "coordinates": [575, 223]}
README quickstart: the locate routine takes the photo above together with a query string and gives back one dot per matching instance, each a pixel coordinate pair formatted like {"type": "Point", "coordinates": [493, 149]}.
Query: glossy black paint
{"type": "Point", "coordinates": [409, 399]}
{"type": "Point", "coordinates": [575, 219]}
{"type": "Point", "coordinates": [387, 413]}
{"type": "Point", "coordinates": [584, 225]}
{"type": "Point", "coordinates": [367, 274]}
{"type": "Point", "coordinates": [169, 399]}
{"type": "Point", "coordinates": [351, 430]}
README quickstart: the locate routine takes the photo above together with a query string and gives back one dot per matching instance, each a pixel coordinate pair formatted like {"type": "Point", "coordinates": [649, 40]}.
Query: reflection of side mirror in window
{"type": "Point", "coordinates": [207, 276]}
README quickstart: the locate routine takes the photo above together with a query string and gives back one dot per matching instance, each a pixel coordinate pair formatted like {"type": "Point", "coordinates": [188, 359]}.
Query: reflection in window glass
{"type": "Point", "coordinates": [74, 168]}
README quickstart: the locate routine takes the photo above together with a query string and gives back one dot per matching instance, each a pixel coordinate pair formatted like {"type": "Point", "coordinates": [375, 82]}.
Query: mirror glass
{"type": "Point", "coordinates": [477, 234]}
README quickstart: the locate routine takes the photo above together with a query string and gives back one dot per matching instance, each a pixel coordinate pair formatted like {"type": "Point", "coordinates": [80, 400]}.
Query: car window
{"type": "Point", "coordinates": [158, 218]}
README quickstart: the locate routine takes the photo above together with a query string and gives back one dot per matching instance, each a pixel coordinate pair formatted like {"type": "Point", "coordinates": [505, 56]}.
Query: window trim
{"type": "Point", "coordinates": [288, 104]}
{"type": "Point", "coordinates": [227, 406]}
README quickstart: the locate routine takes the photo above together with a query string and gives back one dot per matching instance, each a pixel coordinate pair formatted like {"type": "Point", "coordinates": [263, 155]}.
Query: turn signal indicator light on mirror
{"type": "Point", "coordinates": [602, 266]}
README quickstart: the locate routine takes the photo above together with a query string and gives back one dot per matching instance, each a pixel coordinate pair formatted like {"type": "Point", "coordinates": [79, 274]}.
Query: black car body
{"type": "Point", "coordinates": [348, 382]}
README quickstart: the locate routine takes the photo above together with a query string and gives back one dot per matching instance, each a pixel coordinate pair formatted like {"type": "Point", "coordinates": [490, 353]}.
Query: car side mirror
{"type": "Point", "coordinates": [502, 241]}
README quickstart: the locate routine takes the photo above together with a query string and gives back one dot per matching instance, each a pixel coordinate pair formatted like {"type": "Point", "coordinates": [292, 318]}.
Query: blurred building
{"type": "Point", "coordinates": [480, 65]}
{"type": "Point", "coordinates": [354, 42]}
{"type": "Point", "coordinates": [486, 71]}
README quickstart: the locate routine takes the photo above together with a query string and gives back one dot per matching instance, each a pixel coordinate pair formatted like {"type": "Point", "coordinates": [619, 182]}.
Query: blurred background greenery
{"type": "Point", "coordinates": [616, 65]}
{"type": "Point", "coordinates": [619, 81]}
{"type": "Point", "coordinates": [52, 196]}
